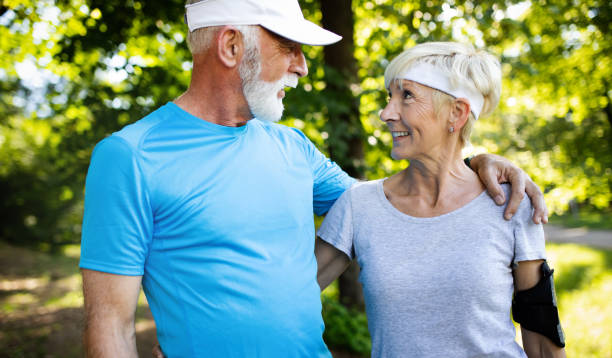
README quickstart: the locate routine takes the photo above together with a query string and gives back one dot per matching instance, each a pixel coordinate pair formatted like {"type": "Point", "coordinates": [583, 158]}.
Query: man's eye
{"type": "Point", "coordinates": [407, 94]}
{"type": "Point", "coordinates": [290, 46]}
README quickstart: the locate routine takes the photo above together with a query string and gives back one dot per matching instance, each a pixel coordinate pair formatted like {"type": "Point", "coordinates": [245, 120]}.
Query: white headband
{"type": "Point", "coordinates": [431, 76]}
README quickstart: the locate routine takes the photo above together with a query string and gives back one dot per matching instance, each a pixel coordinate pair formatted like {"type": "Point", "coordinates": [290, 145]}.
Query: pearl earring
{"type": "Point", "coordinates": [451, 129]}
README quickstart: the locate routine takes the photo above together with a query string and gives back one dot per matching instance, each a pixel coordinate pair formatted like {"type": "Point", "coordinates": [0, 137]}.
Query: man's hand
{"type": "Point", "coordinates": [110, 305]}
{"type": "Point", "coordinates": [493, 170]}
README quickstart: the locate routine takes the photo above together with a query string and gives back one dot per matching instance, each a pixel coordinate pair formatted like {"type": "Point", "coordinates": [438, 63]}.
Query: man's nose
{"type": "Point", "coordinates": [298, 63]}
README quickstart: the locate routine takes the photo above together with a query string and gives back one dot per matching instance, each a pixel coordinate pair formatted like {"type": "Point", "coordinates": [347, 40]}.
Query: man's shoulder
{"type": "Point", "coordinates": [282, 130]}
{"type": "Point", "coordinates": [134, 133]}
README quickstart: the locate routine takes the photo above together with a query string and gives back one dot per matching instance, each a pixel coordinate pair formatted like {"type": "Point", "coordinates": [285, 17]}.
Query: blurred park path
{"type": "Point", "coordinates": [601, 239]}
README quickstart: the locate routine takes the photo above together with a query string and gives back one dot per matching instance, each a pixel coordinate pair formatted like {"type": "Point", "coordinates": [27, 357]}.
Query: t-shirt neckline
{"type": "Point", "coordinates": [217, 128]}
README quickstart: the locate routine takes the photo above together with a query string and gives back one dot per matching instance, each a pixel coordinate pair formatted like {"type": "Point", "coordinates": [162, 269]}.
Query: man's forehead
{"type": "Point", "coordinates": [283, 40]}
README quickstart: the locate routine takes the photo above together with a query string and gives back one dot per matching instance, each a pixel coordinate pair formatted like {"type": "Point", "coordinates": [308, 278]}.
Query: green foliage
{"type": "Point", "coordinates": [345, 329]}
{"type": "Point", "coordinates": [72, 73]}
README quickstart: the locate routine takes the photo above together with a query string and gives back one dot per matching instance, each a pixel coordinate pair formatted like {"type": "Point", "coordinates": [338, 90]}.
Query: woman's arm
{"type": "Point", "coordinates": [526, 275]}
{"type": "Point", "coordinates": [331, 263]}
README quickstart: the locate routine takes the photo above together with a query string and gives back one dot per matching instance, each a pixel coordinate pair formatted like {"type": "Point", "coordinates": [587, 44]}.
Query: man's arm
{"type": "Point", "coordinates": [527, 275]}
{"type": "Point", "coordinates": [110, 305]}
{"type": "Point", "coordinates": [331, 263]}
{"type": "Point", "coordinates": [493, 169]}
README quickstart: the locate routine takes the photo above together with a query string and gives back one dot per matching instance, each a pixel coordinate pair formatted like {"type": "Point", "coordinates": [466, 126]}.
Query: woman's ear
{"type": "Point", "coordinates": [460, 112]}
{"type": "Point", "coordinates": [230, 46]}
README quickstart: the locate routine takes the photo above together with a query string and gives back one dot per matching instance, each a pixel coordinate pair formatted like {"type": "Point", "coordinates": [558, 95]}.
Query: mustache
{"type": "Point", "coordinates": [290, 81]}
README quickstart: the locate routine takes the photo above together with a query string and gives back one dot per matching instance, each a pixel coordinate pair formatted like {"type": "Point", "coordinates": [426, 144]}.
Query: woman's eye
{"type": "Point", "coordinates": [407, 94]}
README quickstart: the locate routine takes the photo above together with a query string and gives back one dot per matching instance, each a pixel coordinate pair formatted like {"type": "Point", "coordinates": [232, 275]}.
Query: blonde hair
{"type": "Point", "coordinates": [200, 40]}
{"type": "Point", "coordinates": [461, 62]}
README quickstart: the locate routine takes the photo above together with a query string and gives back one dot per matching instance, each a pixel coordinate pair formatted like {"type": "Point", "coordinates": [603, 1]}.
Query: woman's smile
{"type": "Point", "coordinates": [400, 135]}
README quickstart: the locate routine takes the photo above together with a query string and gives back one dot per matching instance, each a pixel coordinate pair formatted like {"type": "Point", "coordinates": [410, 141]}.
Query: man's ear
{"type": "Point", "coordinates": [460, 112]}
{"type": "Point", "coordinates": [230, 46]}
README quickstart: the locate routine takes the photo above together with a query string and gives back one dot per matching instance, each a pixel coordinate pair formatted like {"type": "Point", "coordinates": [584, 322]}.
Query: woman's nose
{"type": "Point", "coordinates": [388, 113]}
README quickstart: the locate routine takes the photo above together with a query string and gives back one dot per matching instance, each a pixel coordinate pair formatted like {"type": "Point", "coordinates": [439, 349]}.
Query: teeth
{"type": "Point", "coordinates": [399, 134]}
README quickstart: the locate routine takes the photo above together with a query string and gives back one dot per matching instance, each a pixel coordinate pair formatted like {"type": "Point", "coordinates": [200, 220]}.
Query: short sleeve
{"type": "Point", "coordinates": [330, 181]}
{"type": "Point", "coordinates": [337, 227]}
{"type": "Point", "coordinates": [117, 220]}
{"type": "Point", "coordinates": [528, 237]}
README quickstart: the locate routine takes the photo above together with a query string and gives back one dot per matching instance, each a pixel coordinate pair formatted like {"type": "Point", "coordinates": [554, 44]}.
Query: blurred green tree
{"type": "Point", "coordinates": [71, 73]}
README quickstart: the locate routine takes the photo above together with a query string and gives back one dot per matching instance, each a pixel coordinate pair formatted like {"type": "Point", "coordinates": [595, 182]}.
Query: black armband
{"type": "Point", "coordinates": [536, 308]}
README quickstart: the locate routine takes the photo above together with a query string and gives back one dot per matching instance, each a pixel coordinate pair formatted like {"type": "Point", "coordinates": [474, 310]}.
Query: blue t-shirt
{"type": "Point", "coordinates": [219, 222]}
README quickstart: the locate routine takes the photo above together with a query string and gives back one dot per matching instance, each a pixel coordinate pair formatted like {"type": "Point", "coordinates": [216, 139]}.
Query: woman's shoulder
{"type": "Point", "coordinates": [362, 195]}
{"type": "Point", "coordinates": [364, 188]}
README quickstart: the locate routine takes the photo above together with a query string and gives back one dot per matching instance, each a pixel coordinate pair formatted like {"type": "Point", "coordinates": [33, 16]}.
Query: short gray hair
{"type": "Point", "coordinates": [464, 63]}
{"type": "Point", "coordinates": [200, 40]}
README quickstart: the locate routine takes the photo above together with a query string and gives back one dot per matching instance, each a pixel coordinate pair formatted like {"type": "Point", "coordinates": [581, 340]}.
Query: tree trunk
{"type": "Point", "coordinates": [609, 115]}
{"type": "Point", "coordinates": [608, 109]}
{"type": "Point", "coordinates": [345, 141]}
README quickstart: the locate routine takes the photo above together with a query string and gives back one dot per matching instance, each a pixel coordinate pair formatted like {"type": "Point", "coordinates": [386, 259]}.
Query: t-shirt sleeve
{"type": "Point", "coordinates": [337, 227]}
{"type": "Point", "coordinates": [330, 181]}
{"type": "Point", "coordinates": [528, 237]}
{"type": "Point", "coordinates": [117, 220]}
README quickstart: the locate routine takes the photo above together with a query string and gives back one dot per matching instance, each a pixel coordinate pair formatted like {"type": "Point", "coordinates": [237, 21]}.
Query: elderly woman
{"type": "Point", "coordinates": [439, 264]}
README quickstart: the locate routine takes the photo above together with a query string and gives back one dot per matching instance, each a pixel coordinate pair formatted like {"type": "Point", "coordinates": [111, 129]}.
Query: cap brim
{"type": "Point", "coordinates": [304, 32]}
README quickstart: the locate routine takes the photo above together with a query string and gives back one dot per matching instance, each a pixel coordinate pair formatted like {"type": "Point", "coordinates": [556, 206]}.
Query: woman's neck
{"type": "Point", "coordinates": [433, 185]}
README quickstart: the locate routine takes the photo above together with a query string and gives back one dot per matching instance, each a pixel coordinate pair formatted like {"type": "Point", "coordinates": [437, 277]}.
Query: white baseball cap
{"type": "Point", "coordinates": [283, 17]}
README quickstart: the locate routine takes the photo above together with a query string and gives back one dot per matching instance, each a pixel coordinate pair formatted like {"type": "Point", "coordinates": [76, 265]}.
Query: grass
{"type": "Point", "coordinates": [583, 278]}
{"type": "Point", "coordinates": [41, 303]}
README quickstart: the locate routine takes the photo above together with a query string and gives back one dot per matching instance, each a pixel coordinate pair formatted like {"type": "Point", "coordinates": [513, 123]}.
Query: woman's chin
{"type": "Point", "coordinates": [398, 156]}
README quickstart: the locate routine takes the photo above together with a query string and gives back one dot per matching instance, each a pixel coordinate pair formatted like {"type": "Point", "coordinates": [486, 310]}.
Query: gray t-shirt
{"type": "Point", "coordinates": [439, 286]}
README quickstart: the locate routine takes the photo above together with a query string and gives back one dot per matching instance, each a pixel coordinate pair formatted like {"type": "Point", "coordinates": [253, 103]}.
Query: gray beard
{"type": "Point", "coordinates": [261, 96]}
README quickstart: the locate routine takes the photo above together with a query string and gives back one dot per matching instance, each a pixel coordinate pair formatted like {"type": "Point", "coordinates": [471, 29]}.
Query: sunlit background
{"type": "Point", "coordinates": [72, 72]}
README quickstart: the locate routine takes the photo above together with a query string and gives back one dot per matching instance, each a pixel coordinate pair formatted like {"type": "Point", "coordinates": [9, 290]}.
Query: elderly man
{"type": "Point", "coordinates": [208, 204]}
